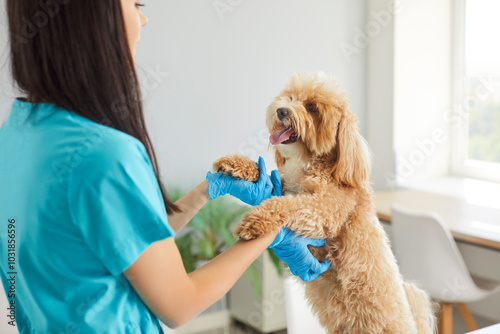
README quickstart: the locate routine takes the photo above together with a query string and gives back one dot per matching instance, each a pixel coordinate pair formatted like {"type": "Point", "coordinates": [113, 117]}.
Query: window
{"type": "Point", "coordinates": [475, 118]}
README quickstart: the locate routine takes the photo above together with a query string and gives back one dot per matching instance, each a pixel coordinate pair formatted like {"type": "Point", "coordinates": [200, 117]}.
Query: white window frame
{"type": "Point", "coordinates": [460, 165]}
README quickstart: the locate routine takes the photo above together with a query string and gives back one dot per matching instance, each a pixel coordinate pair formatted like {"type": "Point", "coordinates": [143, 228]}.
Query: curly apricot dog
{"type": "Point", "coordinates": [325, 164]}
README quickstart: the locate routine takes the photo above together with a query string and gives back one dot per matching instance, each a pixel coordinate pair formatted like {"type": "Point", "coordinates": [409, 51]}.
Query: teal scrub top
{"type": "Point", "coordinates": [79, 202]}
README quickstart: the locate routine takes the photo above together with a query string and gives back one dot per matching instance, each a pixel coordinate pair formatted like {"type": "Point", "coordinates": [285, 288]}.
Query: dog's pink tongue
{"type": "Point", "coordinates": [280, 136]}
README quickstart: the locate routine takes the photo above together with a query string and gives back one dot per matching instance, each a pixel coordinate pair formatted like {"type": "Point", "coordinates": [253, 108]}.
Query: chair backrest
{"type": "Point", "coordinates": [428, 254]}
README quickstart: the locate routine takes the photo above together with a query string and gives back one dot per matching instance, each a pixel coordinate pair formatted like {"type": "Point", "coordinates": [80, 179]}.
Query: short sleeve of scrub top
{"type": "Point", "coordinates": [116, 202]}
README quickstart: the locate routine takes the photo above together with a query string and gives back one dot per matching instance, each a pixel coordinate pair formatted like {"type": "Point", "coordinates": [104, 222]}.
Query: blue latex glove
{"type": "Point", "coordinates": [252, 193]}
{"type": "Point", "coordinates": [292, 249]}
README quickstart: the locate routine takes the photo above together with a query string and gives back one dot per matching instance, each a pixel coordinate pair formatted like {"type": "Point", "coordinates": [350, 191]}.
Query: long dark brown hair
{"type": "Point", "coordinates": [75, 54]}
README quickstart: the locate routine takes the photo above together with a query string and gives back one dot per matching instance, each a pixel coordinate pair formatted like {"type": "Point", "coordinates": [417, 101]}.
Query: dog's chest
{"type": "Point", "coordinates": [292, 172]}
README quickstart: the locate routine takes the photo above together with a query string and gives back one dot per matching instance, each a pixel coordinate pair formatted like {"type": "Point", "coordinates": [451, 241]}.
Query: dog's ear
{"type": "Point", "coordinates": [351, 153]}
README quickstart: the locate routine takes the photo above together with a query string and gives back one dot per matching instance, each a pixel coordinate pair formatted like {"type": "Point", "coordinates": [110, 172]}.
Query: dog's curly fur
{"type": "Point", "coordinates": [325, 170]}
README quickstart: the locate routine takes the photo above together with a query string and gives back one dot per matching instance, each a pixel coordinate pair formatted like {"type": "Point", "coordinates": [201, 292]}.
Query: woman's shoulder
{"type": "Point", "coordinates": [62, 126]}
{"type": "Point", "coordinates": [98, 147]}
{"type": "Point", "coordinates": [104, 139]}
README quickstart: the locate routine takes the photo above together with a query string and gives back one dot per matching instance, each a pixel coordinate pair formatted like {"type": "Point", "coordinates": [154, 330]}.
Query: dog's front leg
{"type": "Point", "coordinates": [312, 215]}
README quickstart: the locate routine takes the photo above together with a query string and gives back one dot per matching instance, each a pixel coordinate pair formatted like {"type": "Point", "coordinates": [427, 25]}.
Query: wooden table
{"type": "Point", "coordinates": [473, 223]}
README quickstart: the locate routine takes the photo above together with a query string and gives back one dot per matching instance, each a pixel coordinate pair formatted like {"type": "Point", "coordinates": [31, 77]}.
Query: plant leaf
{"type": "Point", "coordinates": [276, 261]}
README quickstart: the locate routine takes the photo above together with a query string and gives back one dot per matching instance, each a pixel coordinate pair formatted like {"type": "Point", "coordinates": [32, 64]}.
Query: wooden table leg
{"type": "Point", "coordinates": [445, 318]}
{"type": "Point", "coordinates": [469, 319]}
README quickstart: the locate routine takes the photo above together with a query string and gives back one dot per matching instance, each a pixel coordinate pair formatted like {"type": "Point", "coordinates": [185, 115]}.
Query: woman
{"type": "Point", "coordinates": [90, 230]}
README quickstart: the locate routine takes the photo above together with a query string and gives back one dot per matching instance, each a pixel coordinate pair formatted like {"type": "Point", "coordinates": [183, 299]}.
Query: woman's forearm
{"type": "Point", "coordinates": [190, 204]}
{"type": "Point", "coordinates": [176, 297]}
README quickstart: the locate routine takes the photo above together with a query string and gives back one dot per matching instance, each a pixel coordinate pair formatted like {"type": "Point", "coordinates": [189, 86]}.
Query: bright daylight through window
{"type": "Point", "coordinates": [479, 88]}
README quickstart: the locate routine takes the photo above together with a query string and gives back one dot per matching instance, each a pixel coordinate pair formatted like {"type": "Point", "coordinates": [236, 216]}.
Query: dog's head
{"type": "Point", "coordinates": [312, 117]}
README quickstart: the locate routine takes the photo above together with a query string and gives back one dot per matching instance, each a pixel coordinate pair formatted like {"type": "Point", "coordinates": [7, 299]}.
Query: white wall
{"type": "Point", "coordinates": [422, 90]}
{"type": "Point", "coordinates": [409, 89]}
{"type": "Point", "coordinates": [208, 75]}
{"type": "Point", "coordinates": [380, 89]}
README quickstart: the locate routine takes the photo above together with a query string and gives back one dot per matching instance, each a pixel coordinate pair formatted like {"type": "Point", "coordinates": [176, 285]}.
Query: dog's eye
{"type": "Point", "coordinates": [310, 107]}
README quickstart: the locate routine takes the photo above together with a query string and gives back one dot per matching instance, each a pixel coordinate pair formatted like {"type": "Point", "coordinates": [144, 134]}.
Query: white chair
{"type": "Point", "coordinates": [428, 254]}
{"type": "Point", "coordinates": [299, 316]}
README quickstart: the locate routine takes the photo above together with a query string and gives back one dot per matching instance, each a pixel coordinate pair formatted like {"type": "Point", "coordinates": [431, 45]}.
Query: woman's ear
{"type": "Point", "coordinates": [352, 155]}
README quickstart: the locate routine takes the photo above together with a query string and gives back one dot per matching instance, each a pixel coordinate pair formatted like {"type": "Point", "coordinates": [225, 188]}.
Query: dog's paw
{"type": "Point", "coordinates": [238, 166]}
{"type": "Point", "coordinates": [254, 225]}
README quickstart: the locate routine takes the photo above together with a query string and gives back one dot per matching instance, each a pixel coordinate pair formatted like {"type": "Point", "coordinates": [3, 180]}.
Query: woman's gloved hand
{"type": "Point", "coordinates": [247, 191]}
{"type": "Point", "coordinates": [292, 249]}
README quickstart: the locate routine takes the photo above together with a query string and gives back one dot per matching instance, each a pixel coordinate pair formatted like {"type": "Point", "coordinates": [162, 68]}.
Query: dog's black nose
{"type": "Point", "coordinates": [282, 113]}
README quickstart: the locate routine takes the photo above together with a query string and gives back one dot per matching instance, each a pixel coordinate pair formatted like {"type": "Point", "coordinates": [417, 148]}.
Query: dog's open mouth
{"type": "Point", "coordinates": [283, 136]}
